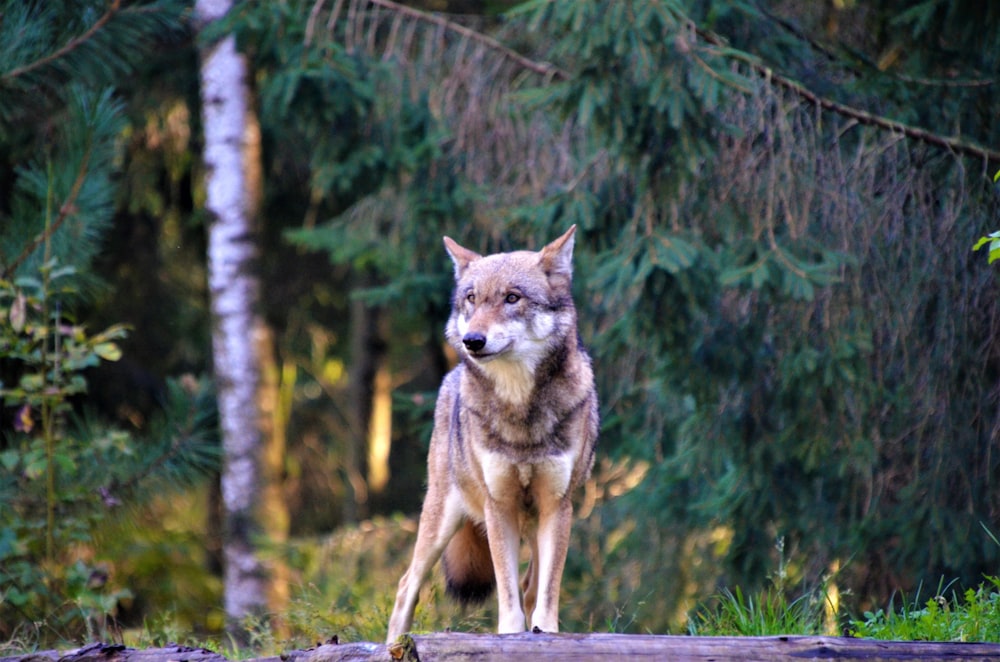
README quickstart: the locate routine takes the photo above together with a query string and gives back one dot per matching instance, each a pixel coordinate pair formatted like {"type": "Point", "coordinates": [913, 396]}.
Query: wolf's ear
{"type": "Point", "coordinates": [462, 257]}
{"type": "Point", "coordinates": [557, 257]}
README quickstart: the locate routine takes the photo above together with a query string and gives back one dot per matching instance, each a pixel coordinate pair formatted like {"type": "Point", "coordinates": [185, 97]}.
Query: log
{"type": "Point", "coordinates": [99, 652]}
{"type": "Point", "coordinates": [455, 647]}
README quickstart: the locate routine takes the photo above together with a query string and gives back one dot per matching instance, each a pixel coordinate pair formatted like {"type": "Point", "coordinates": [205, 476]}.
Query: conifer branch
{"type": "Point", "coordinates": [833, 56]}
{"type": "Point", "coordinates": [66, 209]}
{"type": "Point", "coordinates": [69, 46]}
{"type": "Point", "coordinates": [540, 68]}
{"type": "Point", "coordinates": [186, 432]}
{"type": "Point", "coordinates": [952, 144]}
{"type": "Point", "coordinates": [949, 143]}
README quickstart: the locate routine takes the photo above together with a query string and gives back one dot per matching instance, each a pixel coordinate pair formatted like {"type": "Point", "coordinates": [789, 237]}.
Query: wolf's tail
{"type": "Point", "coordinates": [468, 566]}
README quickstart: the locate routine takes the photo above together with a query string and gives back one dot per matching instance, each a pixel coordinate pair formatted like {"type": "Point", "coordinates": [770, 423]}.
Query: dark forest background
{"type": "Point", "coordinates": [797, 351]}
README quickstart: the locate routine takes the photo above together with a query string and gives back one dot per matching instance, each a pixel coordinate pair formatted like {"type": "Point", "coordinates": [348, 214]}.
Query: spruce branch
{"type": "Point", "coordinates": [949, 143]}
{"type": "Point", "coordinates": [545, 69]}
{"type": "Point", "coordinates": [832, 56]}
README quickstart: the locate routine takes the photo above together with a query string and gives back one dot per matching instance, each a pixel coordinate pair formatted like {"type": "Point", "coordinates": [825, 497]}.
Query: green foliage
{"type": "Point", "coordinates": [63, 472]}
{"type": "Point", "coordinates": [46, 48]}
{"type": "Point", "coordinates": [315, 102]}
{"type": "Point", "coordinates": [975, 616]}
{"type": "Point", "coordinates": [341, 591]}
{"type": "Point", "coordinates": [993, 238]}
{"type": "Point", "coordinates": [63, 196]}
{"type": "Point", "coordinates": [639, 78]}
{"type": "Point", "coordinates": [59, 478]}
{"type": "Point", "coordinates": [972, 616]}
{"type": "Point", "coordinates": [780, 337]}
{"type": "Point", "coordinates": [372, 151]}
{"type": "Point", "coordinates": [766, 613]}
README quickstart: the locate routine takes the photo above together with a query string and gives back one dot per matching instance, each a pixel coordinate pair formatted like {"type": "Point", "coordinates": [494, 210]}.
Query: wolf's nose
{"type": "Point", "coordinates": [474, 341]}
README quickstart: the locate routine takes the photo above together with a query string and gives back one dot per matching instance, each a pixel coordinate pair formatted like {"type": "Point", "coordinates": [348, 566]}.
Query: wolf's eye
{"type": "Point", "coordinates": [470, 297]}
{"type": "Point", "coordinates": [513, 298]}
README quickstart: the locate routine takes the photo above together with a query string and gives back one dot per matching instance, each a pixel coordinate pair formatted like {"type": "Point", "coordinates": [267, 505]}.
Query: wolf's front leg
{"type": "Point", "coordinates": [505, 537]}
{"type": "Point", "coordinates": [552, 545]}
{"type": "Point", "coordinates": [439, 520]}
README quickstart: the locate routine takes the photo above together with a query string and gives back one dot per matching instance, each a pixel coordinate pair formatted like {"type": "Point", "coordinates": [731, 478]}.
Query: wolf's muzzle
{"type": "Point", "coordinates": [474, 341]}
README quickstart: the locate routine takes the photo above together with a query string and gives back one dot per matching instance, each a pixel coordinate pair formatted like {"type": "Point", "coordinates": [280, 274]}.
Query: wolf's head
{"type": "Point", "coordinates": [510, 311]}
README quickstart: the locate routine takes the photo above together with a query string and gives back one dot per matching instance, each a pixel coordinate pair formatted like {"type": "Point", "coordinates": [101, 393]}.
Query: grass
{"type": "Point", "coordinates": [763, 614]}
{"type": "Point", "coordinates": [344, 585]}
{"type": "Point", "coordinates": [972, 616]}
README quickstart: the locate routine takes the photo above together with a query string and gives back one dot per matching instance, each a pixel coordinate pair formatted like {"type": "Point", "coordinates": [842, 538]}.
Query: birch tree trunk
{"type": "Point", "coordinates": [236, 327]}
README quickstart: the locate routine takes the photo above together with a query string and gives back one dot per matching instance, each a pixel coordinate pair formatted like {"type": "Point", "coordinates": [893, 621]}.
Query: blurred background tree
{"type": "Point", "coordinates": [775, 203]}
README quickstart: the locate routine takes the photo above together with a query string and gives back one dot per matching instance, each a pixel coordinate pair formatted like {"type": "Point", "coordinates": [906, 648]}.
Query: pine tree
{"type": "Point", "coordinates": [62, 473]}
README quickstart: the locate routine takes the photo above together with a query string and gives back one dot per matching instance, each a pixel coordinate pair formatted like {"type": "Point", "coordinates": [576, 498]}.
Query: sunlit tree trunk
{"type": "Point", "coordinates": [366, 456]}
{"type": "Point", "coordinates": [274, 395]}
{"type": "Point", "coordinates": [241, 343]}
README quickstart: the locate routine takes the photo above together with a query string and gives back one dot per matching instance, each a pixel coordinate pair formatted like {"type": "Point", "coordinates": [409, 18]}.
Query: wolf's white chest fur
{"type": "Point", "coordinates": [550, 476]}
{"type": "Point", "coordinates": [513, 380]}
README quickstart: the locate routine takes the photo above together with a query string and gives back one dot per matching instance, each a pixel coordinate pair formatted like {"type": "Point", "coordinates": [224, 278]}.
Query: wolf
{"type": "Point", "coordinates": [515, 430]}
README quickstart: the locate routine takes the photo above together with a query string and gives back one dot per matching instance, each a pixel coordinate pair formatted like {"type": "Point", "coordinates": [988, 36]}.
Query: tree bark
{"type": "Point", "coordinates": [237, 328]}
{"type": "Point", "coordinates": [368, 349]}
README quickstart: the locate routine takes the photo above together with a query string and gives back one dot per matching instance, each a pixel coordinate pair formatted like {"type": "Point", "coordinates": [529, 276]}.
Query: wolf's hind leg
{"type": "Point", "coordinates": [529, 583]}
{"type": "Point", "coordinates": [439, 520]}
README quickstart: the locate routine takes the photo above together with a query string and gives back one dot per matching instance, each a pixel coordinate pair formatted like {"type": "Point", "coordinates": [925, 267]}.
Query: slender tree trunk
{"type": "Point", "coordinates": [367, 348]}
{"type": "Point", "coordinates": [275, 403]}
{"type": "Point", "coordinates": [236, 326]}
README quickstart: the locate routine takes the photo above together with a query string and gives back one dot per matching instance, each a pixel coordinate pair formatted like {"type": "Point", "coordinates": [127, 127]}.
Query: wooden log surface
{"type": "Point", "coordinates": [454, 647]}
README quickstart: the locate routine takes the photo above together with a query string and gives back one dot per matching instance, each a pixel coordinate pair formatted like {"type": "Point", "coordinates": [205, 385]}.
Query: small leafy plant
{"type": "Point", "coordinates": [993, 238]}
{"type": "Point", "coordinates": [44, 579]}
{"type": "Point", "coordinates": [61, 475]}
{"type": "Point", "coordinates": [972, 616]}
